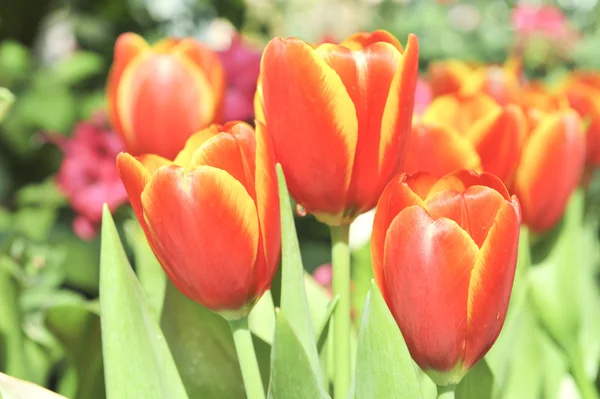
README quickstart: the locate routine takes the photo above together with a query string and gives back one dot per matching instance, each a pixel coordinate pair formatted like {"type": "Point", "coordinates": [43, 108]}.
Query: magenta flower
{"type": "Point", "coordinates": [242, 66]}
{"type": "Point", "coordinates": [546, 20]}
{"type": "Point", "coordinates": [88, 174]}
{"type": "Point", "coordinates": [423, 96]}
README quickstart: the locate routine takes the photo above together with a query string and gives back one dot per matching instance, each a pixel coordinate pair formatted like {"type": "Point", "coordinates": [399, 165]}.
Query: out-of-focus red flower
{"type": "Point", "coordinates": [241, 62]}
{"type": "Point", "coordinates": [88, 174]}
{"type": "Point", "coordinates": [547, 20]}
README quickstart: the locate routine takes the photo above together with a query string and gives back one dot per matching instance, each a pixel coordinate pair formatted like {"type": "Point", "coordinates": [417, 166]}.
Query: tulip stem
{"type": "Point", "coordinates": [446, 391]}
{"type": "Point", "coordinates": [584, 383]}
{"type": "Point", "coordinates": [247, 358]}
{"type": "Point", "coordinates": [340, 260]}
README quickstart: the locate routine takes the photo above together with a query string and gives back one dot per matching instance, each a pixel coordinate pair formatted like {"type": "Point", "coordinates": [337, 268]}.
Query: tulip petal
{"type": "Point", "coordinates": [397, 116]}
{"type": "Point", "coordinates": [448, 77]}
{"type": "Point", "coordinates": [361, 40]}
{"type": "Point", "coordinates": [491, 283]}
{"type": "Point", "coordinates": [365, 75]}
{"type": "Point", "coordinates": [127, 47]}
{"type": "Point", "coordinates": [205, 225]}
{"type": "Point", "coordinates": [312, 122]}
{"type": "Point", "coordinates": [164, 99]}
{"type": "Point", "coordinates": [267, 201]}
{"type": "Point", "coordinates": [498, 138]}
{"type": "Point", "coordinates": [550, 169]}
{"type": "Point", "coordinates": [461, 180]}
{"type": "Point", "coordinates": [474, 210]}
{"type": "Point", "coordinates": [397, 195]}
{"type": "Point", "coordinates": [439, 150]}
{"type": "Point", "coordinates": [135, 175]}
{"type": "Point", "coordinates": [427, 270]}
{"type": "Point", "coordinates": [192, 144]}
{"type": "Point", "coordinates": [458, 110]}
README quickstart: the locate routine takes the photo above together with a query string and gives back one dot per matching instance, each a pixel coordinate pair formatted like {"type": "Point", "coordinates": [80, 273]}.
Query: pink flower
{"type": "Point", "coordinates": [547, 20]}
{"type": "Point", "coordinates": [242, 66]}
{"type": "Point", "coordinates": [324, 276]}
{"type": "Point", "coordinates": [423, 96]}
{"type": "Point", "coordinates": [88, 174]}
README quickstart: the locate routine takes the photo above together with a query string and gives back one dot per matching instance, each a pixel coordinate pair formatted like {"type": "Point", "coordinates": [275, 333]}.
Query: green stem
{"type": "Point", "coordinates": [446, 391]}
{"type": "Point", "coordinates": [340, 260]}
{"type": "Point", "coordinates": [247, 358]}
{"type": "Point", "coordinates": [586, 386]}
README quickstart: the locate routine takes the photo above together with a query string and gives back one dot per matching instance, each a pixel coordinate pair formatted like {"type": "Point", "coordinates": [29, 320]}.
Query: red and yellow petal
{"type": "Point", "coordinates": [439, 150]}
{"type": "Point", "coordinates": [192, 144]}
{"type": "Point", "coordinates": [491, 283]}
{"type": "Point", "coordinates": [135, 176]}
{"type": "Point", "coordinates": [204, 225]}
{"type": "Point", "coordinates": [427, 268]}
{"type": "Point", "coordinates": [312, 121]}
{"type": "Point", "coordinates": [127, 48]}
{"type": "Point", "coordinates": [550, 169]}
{"type": "Point", "coordinates": [474, 210]}
{"type": "Point", "coordinates": [461, 180]}
{"type": "Point", "coordinates": [361, 40]}
{"type": "Point", "coordinates": [459, 111]}
{"type": "Point", "coordinates": [267, 201]}
{"type": "Point", "coordinates": [448, 76]}
{"type": "Point", "coordinates": [156, 103]}
{"type": "Point", "coordinates": [399, 194]}
{"type": "Point", "coordinates": [498, 138]}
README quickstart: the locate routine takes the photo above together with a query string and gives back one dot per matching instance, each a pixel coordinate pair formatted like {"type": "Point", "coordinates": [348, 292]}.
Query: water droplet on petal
{"type": "Point", "coordinates": [300, 210]}
{"type": "Point", "coordinates": [497, 315]}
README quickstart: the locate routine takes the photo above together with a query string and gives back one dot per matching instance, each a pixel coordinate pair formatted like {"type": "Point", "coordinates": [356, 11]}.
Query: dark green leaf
{"type": "Point", "coordinates": [384, 367]}
{"type": "Point", "coordinates": [137, 360]}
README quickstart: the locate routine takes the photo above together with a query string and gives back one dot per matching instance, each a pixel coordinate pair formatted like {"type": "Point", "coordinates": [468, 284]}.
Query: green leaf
{"type": "Point", "coordinates": [384, 367]}
{"type": "Point", "coordinates": [6, 100]}
{"type": "Point", "coordinates": [12, 388]}
{"type": "Point", "coordinates": [78, 329]}
{"type": "Point", "coordinates": [137, 360]}
{"type": "Point", "coordinates": [77, 67]}
{"type": "Point", "coordinates": [203, 348]}
{"type": "Point", "coordinates": [293, 294]}
{"type": "Point", "coordinates": [150, 273]}
{"type": "Point", "coordinates": [292, 375]}
{"type": "Point", "coordinates": [478, 383]}
{"type": "Point", "coordinates": [323, 330]}
{"type": "Point", "coordinates": [262, 318]}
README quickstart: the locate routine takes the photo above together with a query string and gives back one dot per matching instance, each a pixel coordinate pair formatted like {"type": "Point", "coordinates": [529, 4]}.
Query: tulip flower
{"type": "Point", "coordinates": [444, 253]}
{"type": "Point", "coordinates": [211, 216]}
{"type": "Point", "coordinates": [467, 132]}
{"type": "Point", "coordinates": [159, 96]}
{"type": "Point", "coordinates": [551, 166]}
{"type": "Point", "coordinates": [501, 82]}
{"type": "Point", "coordinates": [582, 90]}
{"type": "Point", "coordinates": [340, 117]}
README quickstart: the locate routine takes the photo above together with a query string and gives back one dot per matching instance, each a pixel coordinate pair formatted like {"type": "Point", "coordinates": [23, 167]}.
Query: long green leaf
{"type": "Point", "coordinates": [384, 367]}
{"type": "Point", "coordinates": [13, 388]}
{"type": "Point", "coordinates": [137, 360]}
{"type": "Point", "coordinates": [293, 294]}
{"type": "Point", "coordinates": [203, 348]}
{"type": "Point", "coordinates": [292, 375]}
{"type": "Point", "coordinates": [478, 383]}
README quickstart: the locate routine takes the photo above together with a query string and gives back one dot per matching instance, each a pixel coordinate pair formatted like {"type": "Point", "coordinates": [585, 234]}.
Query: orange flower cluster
{"type": "Point", "coordinates": [533, 137]}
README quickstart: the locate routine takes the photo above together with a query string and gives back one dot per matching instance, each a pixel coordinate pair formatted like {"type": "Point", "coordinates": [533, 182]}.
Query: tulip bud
{"type": "Point", "coordinates": [550, 169]}
{"type": "Point", "coordinates": [211, 216]}
{"type": "Point", "coordinates": [159, 96]}
{"type": "Point", "coordinates": [340, 117]}
{"type": "Point", "coordinates": [444, 254]}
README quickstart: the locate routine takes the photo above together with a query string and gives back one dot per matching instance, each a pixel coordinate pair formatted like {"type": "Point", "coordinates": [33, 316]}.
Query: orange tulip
{"type": "Point", "coordinates": [551, 167]}
{"type": "Point", "coordinates": [444, 254]}
{"type": "Point", "coordinates": [211, 216]}
{"type": "Point", "coordinates": [582, 90]}
{"type": "Point", "coordinates": [498, 81]}
{"type": "Point", "coordinates": [159, 96]}
{"type": "Point", "coordinates": [340, 117]}
{"type": "Point", "coordinates": [467, 132]}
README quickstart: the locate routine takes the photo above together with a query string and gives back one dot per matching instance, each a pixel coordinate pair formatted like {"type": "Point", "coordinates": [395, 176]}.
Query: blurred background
{"type": "Point", "coordinates": [57, 151]}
